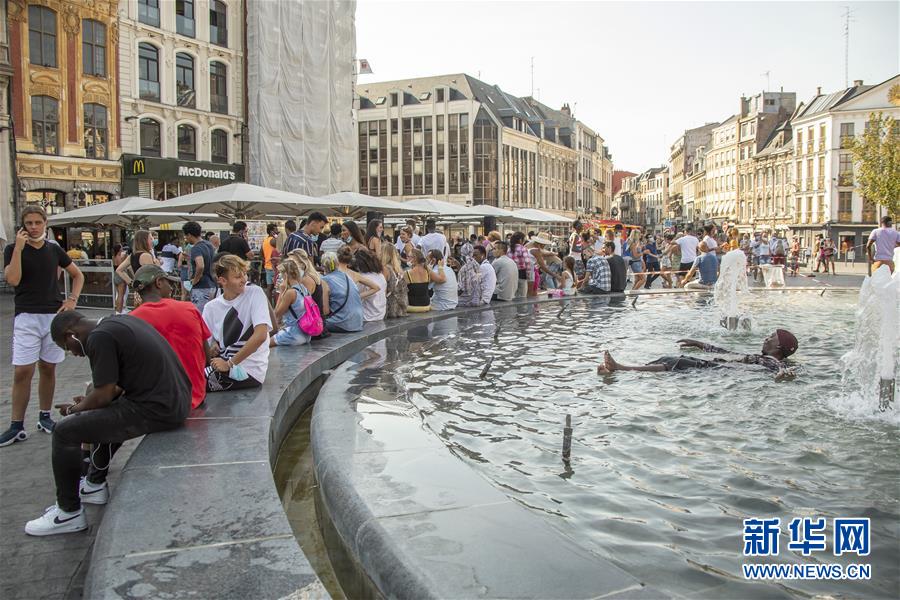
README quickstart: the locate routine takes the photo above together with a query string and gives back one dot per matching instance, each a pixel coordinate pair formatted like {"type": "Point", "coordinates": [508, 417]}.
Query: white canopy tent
{"type": "Point", "coordinates": [438, 208]}
{"type": "Point", "coordinates": [242, 201]}
{"type": "Point", "coordinates": [350, 204]}
{"type": "Point", "coordinates": [124, 212]}
{"type": "Point", "coordinates": [533, 215]}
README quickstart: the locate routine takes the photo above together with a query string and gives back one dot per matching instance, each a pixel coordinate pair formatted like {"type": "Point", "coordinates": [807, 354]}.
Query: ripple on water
{"type": "Point", "coordinates": [666, 466]}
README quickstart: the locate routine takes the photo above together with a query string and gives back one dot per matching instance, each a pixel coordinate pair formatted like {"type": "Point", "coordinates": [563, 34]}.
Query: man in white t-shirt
{"type": "Point", "coordinates": [710, 238]}
{"type": "Point", "coordinates": [488, 274]}
{"type": "Point", "coordinates": [240, 322]}
{"type": "Point", "coordinates": [688, 244]}
{"type": "Point", "coordinates": [617, 240]}
{"type": "Point", "coordinates": [169, 256]}
{"type": "Point", "coordinates": [433, 240]}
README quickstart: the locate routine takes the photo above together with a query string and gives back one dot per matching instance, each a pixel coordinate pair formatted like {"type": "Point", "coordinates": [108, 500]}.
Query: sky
{"type": "Point", "coordinates": [638, 73]}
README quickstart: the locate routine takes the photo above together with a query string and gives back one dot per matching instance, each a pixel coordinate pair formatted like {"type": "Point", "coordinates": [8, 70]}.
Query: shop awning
{"type": "Point", "coordinates": [242, 201]}
{"type": "Point", "coordinates": [350, 204]}
{"type": "Point", "coordinates": [533, 215]}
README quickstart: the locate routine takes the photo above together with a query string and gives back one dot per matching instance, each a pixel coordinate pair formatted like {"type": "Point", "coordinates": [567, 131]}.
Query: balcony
{"type": "Point", "coordinates": [820, 183]}
{"type": "Point", "coordinates": [845, 216]}
{"type": "Point", "coordinates": [809, 147]}
{"type": "Point", "coordinates": [821, 145]}
{"type": "Point", "coordinates": [869, 216]}
{"type": "Point", "coordinates": [845, 179]}
{"type": "Point", "coordinates": [809, 186]}
{"type": "Point", "coordinates": [846, 141]}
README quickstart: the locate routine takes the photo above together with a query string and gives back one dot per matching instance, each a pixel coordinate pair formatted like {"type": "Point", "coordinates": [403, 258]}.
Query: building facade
{"type": "Point", "coordinates": [459, 139]}
{"type": "Point", "coordinates": [65, 106]}
{"type": "Point", "coordinates": [7, 180]}
{"type": "Point", "coordinates": [759, 116]}
{"type": "Point", "coordinates": [771, 198]}
{"type": "Point", "coordinates": [694, 189]}
{"type": "Point", "coordinates": [681, 158]}
{"type": "Point", "coordinates": [182, 95]}
{"type": "Point", "coordinates": [721, 172]}
{"type": "Point", "coordinates": [826, 198]}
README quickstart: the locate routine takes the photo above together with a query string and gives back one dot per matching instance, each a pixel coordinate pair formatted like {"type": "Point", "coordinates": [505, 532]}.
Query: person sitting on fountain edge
{"type": "Point", "coordinates": [775, 349]}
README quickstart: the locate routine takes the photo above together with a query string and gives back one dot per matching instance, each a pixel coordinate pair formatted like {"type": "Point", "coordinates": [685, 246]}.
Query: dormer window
{"type": "Point", "coordinates": [379, 100]}
{"type": "Point", "coordinates": [395, 99]}
{"type": "Point", "coordinates": [424, 96]}
{"type": "Point", "coordinates": [439, 95]}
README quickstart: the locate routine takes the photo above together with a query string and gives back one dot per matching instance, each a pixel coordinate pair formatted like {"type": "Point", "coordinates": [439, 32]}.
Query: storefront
{"type": "Point", "coordinates": [58, 184]}
{"type": "Point", "coordinates": [165, 178]}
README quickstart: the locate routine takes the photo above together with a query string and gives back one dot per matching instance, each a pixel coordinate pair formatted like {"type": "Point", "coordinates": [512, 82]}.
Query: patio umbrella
{"type": "Point", "coordinates": [124, 212]}
{"type": "Point", "coordinates": [242, 201]}
{"type": "Point", "coordinates": [538, 216]}
{"type": "Point", "coordinates": [439, 208]}
{"type": "Point", "coordinates": [349, 204]}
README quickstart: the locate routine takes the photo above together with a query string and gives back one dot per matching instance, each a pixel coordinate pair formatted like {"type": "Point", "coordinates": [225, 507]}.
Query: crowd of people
{"type": "Point", "coordinates": [151, 366]}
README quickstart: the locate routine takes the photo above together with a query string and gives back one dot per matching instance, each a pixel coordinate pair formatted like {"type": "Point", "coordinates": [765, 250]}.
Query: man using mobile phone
{"type": "Point", "coordinates": [32, 265]}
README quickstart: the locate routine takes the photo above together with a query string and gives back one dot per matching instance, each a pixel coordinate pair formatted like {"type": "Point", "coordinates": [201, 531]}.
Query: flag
{"type": "Point", "coordinates": [364, 67]}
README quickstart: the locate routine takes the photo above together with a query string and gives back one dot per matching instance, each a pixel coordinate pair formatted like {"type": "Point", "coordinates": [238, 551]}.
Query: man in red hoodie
{"type": "Point", "coordinates": [179, 322]}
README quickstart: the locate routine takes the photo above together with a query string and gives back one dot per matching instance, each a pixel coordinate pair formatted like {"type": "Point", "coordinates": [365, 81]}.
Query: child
{"type": "Point", "coordinates": [567, 279]}
{"type": "Point", "coordinates": [240, 322]}
{"type": "Point", "coordinates": [290, 306]}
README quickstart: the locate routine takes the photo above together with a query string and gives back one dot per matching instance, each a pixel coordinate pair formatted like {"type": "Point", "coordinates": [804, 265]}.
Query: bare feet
{"type": "Point", "coordinates": [609, 365]}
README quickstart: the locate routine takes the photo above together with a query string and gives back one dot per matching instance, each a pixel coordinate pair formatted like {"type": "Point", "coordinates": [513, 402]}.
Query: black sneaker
{"type": "Point", "coordinates": [13, 435]}
{"type": "Point", "coordinates": [46, 424]}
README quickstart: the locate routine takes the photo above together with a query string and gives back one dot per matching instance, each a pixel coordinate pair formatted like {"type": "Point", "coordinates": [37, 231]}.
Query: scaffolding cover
{"type": "Point", "coordinates": [301, 79]}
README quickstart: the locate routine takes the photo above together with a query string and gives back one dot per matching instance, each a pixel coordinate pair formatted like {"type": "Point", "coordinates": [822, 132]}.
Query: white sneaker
{"type": "Point", "coordinates": [55, 521]}
{"type": "Point", "coordinates": [93, 493]}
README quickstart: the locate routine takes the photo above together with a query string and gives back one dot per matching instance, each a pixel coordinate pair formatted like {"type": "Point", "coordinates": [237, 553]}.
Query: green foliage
{"type": "Point", "coordinates": [877, 156]}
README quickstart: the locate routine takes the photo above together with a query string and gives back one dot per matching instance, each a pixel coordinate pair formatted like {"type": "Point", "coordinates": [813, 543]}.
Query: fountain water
{"type": "Point", "coordinates": [870, 366]}
{"type": "Point", "coordinates": [732, 283]}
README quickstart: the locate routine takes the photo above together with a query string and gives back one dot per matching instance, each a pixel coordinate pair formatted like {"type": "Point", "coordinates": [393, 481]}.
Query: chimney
{"type": "Point", "coordinates": [565, 109]}
{"type": "Point", "coordinates": [819, 91]}
{"type": "Point", "coordinates": [857, 82]}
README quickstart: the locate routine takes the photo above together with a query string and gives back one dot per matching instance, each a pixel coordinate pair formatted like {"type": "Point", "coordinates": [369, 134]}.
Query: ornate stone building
{"type": "Point", "coordinates": [7, 198]}
{"type": "Point", "coordinates": [65, 104]}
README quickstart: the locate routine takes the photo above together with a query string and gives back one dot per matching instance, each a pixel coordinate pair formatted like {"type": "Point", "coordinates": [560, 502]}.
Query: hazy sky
{"type": "Point", "coordinates": [640, 72]}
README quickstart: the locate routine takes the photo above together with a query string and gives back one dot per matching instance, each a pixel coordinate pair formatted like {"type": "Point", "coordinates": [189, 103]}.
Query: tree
{"type": "Point", "coordinates": [877, 156]}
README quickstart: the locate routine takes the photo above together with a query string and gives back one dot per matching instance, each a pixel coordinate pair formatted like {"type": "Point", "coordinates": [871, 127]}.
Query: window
{"type": "Point", "coordinates": [846, 134]}
{"type": "Point", "coordinates": [394, 99]}
{"type": "Point", "coordinates": [845, 207]}
{"type": "Point", "coordinates": [42, 36]}
{"type": "Point", "coordinates": [218, 91]}
{"type": "Point", "coordinates": [439, 95]}
{"type": "Point", "coordinates": [821, 136]}
{"type": "Point", "coordinates": [187, 142]}
{"type": "Point", "coordinates": [96, 131]}
{"type": "Point", "coordinates": [184, 80]}
{"type": "Point", "coordinates": [150, 138]}
{"type": "Point", "coordinates": [148, 69]}
{"type": "Point", "coordinates": [148, 12]}
{"type": "Point", "coordinates": [184, 17]}
{"type": "Point", "coordinates": [845, 169]}
{"type": "Point", "coordinates": [93, 48]}
{"type": "Point", "coordinates": [52, 201]}
{"type": "Point", "coordinates": [219, 146]}
{"type": "Point", "coordinates": [45, 124]}
{"type": "Point", "coordinates": [218, 23]}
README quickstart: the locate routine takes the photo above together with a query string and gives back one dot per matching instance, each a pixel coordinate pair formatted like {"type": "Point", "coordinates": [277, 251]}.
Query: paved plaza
{"type": "Point", "coordinates": [50, 567]}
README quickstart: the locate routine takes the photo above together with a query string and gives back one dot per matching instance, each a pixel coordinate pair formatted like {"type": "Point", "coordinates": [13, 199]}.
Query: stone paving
{"type": "Point", "coordinates": [51, 567]}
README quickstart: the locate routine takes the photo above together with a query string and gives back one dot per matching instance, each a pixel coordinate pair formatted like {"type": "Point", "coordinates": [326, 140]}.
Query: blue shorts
{"type": "Point", "coordinates": [270, 276]}
{"type": "Point", "coordinates": [637, 266]}
{"type": "Point", "coordinates": [291, 336]}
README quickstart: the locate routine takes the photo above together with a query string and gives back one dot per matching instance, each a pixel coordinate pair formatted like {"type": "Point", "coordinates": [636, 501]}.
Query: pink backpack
{"type": "Point", "coordinates": [310, 322]}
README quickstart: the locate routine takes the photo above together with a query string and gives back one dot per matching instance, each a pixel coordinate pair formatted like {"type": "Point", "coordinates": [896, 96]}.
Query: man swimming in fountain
{"type": "Point", "coordinates": [775, 349]}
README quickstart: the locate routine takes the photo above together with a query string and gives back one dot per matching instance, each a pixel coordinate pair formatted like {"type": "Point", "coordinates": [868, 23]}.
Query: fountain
{"type": "Point", "coordinates": [872, 362]}
{"type": "Point", "coordinates": [731, 284]}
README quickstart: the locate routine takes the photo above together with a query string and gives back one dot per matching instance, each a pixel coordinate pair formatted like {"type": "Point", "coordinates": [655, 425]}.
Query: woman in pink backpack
{"type": "Point", "coordinates": [291, 307]}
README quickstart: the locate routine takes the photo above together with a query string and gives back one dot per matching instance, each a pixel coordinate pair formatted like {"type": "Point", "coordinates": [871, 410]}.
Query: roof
{"type": "Point", "coordinates": [823, 103]}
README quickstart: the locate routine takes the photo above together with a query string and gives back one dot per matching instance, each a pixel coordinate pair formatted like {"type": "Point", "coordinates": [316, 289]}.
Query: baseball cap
{"type": "Point", "coordinates": [147, 276]}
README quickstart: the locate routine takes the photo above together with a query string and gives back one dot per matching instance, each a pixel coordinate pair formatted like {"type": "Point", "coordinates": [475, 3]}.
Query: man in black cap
{"type": "Point", "coordinates": [775, 349]}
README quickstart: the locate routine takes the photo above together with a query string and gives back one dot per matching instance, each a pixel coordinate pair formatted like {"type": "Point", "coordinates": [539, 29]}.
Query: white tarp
{"type": "Point", "coordinates": [300, 79]}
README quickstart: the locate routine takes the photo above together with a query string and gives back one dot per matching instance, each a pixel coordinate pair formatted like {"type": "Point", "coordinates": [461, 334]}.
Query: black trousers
{"type": "Point", "coordinates": [106, 428]}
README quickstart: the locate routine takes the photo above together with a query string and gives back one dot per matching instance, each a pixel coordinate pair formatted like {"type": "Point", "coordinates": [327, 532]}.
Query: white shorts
{"type": "Point", "coordinates": [31, 340]}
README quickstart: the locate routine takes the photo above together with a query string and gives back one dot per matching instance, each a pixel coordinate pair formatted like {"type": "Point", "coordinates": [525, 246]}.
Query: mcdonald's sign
{"type": "Point", "coordinates": [138, 167]}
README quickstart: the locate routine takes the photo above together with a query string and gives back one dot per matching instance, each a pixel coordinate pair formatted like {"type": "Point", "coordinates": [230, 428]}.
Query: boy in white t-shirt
{"type": "Point", "coordinates": [240, 322]}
